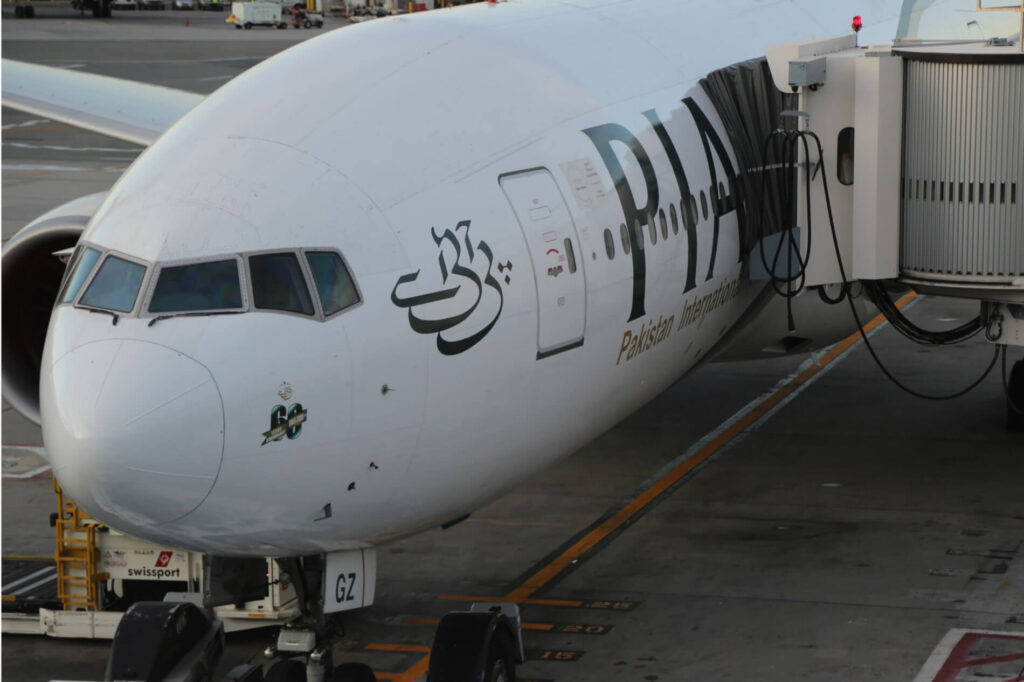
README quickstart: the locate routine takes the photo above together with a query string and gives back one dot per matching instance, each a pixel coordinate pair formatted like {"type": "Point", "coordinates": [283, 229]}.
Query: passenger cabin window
{"type": "Point", "coordinates": [844, 160]}
{"type": "Point", "coordinates": [197, 287]}
{"type": "Point", "coordinates": [116, 285]}
{"type": "Point", "coordinates": [333, 281]}
{"type": "Point", "coordinates": [79, 269]}
{"type": "Point", "coordinates": [278, 284]}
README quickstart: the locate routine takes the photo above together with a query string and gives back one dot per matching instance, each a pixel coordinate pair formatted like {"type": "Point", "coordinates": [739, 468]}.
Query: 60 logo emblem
{"type": "Point", "coordinates": [285, 422]}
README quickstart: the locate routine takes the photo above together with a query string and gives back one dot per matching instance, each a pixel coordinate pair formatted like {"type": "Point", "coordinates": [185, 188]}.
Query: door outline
{"type": "Point", "coordinates": [575, 340]}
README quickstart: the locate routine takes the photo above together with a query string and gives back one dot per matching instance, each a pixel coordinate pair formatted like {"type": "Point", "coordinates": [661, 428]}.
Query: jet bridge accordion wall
{"type": "Point", "coordinates": [962, 190]}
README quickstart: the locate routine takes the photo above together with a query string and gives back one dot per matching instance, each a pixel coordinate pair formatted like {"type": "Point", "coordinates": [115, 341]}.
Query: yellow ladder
{"type": "Point", "coordinates": [77, 578]}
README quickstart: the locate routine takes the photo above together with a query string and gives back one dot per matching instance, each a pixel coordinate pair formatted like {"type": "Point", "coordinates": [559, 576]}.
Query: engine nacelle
{"type": "Point", "coordinates": [31, 279]}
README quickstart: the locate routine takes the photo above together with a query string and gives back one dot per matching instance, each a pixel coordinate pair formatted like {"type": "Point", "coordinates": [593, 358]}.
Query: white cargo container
{"type": "Point", "coordinates": [249, 14]}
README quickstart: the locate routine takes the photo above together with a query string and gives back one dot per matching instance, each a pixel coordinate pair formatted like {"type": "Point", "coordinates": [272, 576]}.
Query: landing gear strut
{"type": "Point", "coordinates": [313, 634]}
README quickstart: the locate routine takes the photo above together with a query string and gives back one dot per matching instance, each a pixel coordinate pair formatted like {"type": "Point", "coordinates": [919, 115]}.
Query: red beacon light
{"type": "Point", "coordinates": [857, 24]}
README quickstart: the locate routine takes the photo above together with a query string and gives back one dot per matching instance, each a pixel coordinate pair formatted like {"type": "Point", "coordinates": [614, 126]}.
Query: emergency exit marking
{"type": "Point", "coordinates": [557, 655]}
{"type": "Point", "coordinates": [583, 629]}
{"type": "Point", "coordinates": [611, 605]}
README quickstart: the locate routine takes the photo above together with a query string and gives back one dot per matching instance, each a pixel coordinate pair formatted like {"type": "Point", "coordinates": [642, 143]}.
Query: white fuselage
{"type": "Point", "coordinates": [453, 159]}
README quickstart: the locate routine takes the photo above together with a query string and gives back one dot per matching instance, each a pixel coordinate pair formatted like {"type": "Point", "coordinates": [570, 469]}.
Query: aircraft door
{"type": "Point", "coordinates": [555, 252]}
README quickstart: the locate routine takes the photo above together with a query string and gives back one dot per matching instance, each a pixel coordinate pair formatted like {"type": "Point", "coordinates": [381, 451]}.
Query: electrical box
{"type": "Point", "coordinates": [807, 72]}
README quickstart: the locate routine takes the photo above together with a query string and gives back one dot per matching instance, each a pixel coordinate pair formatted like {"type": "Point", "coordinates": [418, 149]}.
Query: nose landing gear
{"type": "Point", "coordinates": [182, 642]}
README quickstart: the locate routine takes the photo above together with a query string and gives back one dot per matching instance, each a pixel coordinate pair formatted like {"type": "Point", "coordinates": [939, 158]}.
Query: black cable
{"type": "Point", "coordinates": [856, 316]}
{"type": "Point", "coordinates": [844, 291]}
{"type": "Point", "coordinates": [880, 297]}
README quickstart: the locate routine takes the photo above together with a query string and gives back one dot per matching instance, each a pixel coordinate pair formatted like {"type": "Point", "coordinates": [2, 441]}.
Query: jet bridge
{"type": "Point", "coordinates": [920, 174]}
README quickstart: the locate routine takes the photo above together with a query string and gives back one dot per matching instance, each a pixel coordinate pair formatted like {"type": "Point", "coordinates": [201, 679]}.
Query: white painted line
{"type": "Point", "coordinates": [20, 456]}
{"type": "Point", "coordinates": [27, 124]}
{"type": "Point", "coordinates": [939, 658]}
{"type": "Point", "coordinates": [10, 586]}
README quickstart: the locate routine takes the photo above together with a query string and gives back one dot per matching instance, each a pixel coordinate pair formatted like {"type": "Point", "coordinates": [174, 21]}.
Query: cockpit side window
{"type": "Point", "coordinates": [278, 283]}
{"type": "Point", "coordinates": [197, 287]}
{"type": "Point", "coordinates": [333, 281]}
{"type": "Point", "coordinates": [116, 285]}
{"type": "Point", "coordinates": [79, 269]}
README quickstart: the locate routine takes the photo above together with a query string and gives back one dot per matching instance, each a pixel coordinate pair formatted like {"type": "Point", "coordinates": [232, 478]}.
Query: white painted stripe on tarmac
{"type": "Point", "coordinates": [13, 454]}
{"type": "Point", "coordinates": [32, 576]}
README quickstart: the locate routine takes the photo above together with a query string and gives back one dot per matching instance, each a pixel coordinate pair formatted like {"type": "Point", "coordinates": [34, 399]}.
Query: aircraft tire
{"type": "Point", "coordinates": [247, 25]}
{"type": "Point", "coordinates": [477, 646]}
{"type": "Point", "coordinates": [353, 672]}
{"type": "Point", "coordinates": [307, 24]}
{"type": "Point", "coordinates": [501, 665]}
{"type": "Point", "coordinates": [1015, 398]}
{"type": "Point", "coordinates": [286, 671]}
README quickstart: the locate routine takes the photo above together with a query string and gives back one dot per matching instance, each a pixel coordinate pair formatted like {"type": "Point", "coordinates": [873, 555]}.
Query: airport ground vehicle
{"type": "Point", "coordinates": [98, 573]}
{"type": "Point", "coordinates": [248, 14]}
{"type": "Point", "coordinates": [303, 19]}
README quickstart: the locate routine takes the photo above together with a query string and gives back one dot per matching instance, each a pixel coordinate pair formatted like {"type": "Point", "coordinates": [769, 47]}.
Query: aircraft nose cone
{"type": "Point", "coordinates": [134, 431]}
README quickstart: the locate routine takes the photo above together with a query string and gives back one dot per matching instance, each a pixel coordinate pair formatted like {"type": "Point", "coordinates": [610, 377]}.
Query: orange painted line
{"type": "Point", "coordinates": [541, 627]}
{"type": "Point", "coordinates": [591, 539]}
{"type": "Point", "coordinates": [568, 603]}
{"type": "Point", "coordinates": [9, 598]}
{"type": "Point", "coordinates": [418, 670]}
{"type": "Point", "coordinates": [387, 676]}
{"type": "Point", "coordinates": [404, 648]}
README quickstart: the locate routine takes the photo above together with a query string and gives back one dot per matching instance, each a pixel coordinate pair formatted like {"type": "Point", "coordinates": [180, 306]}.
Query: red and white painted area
{"type": "Point", "coordinates": [969, 655]}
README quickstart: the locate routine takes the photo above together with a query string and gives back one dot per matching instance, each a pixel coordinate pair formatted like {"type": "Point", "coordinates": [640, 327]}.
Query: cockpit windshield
{"type": "Point", "coordinates": [197, 287]}
{"type": "Point", "coordinates": [278, 284]}
{"type": "Point", "coordinates": [312, 282]}
{"type": "Point", "coordinates": [333, 282]}
{"type": "Point", "coordinates": [115, 286]}
{"type": "Point", "coordinates": [82, 263]}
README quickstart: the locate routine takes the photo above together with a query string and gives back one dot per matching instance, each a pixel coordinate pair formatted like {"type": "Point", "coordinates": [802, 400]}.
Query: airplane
{"type": "Point", "coordinates": [298, 327]}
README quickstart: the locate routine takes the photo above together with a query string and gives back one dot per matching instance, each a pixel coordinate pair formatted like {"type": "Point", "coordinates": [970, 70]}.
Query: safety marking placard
{"type": "Point", "coordinates": [555, 655]}
{"type": "Point", "coordinates": [975, 654]}
{"type": "Point", "coordinates": [611, 605]}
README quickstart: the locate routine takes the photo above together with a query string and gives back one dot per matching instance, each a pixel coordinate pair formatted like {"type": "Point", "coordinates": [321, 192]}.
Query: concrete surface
{"type": "Point", "coordinates": [840, 540]}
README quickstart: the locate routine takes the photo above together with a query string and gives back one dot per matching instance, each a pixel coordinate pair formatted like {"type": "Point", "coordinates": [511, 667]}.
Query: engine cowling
{"type": "Point", "coordinates": [31, 279]}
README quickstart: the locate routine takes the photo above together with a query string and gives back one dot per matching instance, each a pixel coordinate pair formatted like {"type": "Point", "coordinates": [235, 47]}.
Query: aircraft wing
{"type": "Point", "coordinates": [126, 110]}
